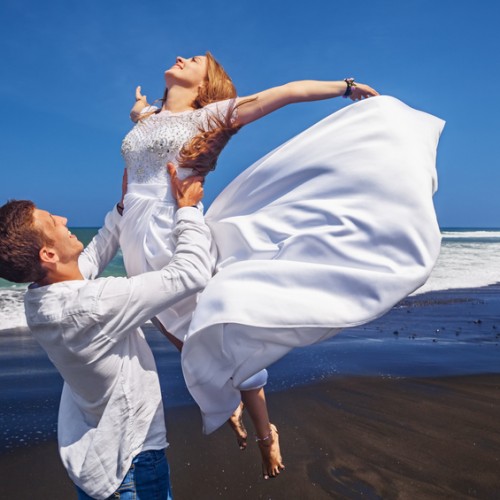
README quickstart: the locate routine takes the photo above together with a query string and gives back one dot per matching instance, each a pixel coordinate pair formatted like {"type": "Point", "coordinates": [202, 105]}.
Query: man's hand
{"type": "Point", "coordinates": [187, 192]}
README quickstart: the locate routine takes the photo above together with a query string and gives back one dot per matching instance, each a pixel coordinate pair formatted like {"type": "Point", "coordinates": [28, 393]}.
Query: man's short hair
{"type": "Point", "coordinates": [20, 243]}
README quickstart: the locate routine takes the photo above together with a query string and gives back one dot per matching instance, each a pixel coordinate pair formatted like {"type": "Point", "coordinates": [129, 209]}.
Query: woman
{"type": "Point", "coordinates": [199, 113]}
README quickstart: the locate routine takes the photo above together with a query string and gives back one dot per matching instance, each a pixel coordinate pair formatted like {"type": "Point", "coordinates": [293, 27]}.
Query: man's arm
{"type": "Point", "coordinates": [123, 304]}
{"type": "Point", "coordinates": [104, 245]}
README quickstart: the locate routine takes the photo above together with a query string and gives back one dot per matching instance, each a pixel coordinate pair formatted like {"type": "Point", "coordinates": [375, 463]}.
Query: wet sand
{"type": "Point", "coordinates": [390, 432]}
{"type": "Point", "coordinates": [362, 438]}
{"type": "Point", "coordinates": [353, 437]}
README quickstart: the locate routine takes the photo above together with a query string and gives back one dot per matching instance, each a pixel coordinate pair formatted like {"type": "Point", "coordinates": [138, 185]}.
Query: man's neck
{"type": "Point", "coordinates": [60, 274]}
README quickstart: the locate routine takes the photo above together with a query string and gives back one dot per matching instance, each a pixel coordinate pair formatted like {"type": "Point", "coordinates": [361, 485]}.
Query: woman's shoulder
{"type": "Point", "coordinates": [221, 106]}
{"type": "Point", "coordinates": [222, 110]}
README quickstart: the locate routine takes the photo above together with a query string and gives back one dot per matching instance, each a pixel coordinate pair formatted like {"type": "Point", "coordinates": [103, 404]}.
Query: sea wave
{"type": "Point", "coordinates": [483, 236]}
{"type": "Point", "coordinates": [468, 259]}
{"type": "Point", "coordinates": [466, 265]}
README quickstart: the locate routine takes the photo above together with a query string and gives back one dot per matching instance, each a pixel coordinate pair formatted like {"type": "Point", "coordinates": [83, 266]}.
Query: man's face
{"type": "Point", "coordinates": [65, 245]}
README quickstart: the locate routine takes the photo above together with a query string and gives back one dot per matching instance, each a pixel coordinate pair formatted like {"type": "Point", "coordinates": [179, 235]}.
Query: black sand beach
{"type": "Point", "coordinates": [408, 407]}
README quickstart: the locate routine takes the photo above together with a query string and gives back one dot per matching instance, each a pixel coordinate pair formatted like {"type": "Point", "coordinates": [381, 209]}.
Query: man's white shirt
{"type": "Point", "coordinates": [111, 407]}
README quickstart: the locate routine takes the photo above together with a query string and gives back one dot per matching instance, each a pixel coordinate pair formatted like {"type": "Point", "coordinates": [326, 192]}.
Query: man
{"type": "Point", "coordinates": [111, 428]}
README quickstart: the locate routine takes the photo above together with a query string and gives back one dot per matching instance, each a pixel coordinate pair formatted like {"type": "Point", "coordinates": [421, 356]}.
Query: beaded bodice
{"type": "Point", "coordinates": [157, 140]}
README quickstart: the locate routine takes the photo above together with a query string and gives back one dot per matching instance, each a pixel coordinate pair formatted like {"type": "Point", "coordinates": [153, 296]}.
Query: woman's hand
{"type": "Point", "coordinates": [141, 101]}
{"type": "Point", "coordinates": [360, 91]}
{"type": "Point", "coordinates": [140, 97]}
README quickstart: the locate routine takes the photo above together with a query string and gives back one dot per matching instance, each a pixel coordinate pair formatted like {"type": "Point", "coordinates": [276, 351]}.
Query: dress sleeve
{"type": "Point", "coordinates": [220, 110]}
{"type": "Point", "coordinates": [149, 109]}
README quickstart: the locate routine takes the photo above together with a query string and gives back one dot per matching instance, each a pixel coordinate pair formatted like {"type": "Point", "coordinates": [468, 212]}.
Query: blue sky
{"type": "Point", "coordinates": [69, 70]}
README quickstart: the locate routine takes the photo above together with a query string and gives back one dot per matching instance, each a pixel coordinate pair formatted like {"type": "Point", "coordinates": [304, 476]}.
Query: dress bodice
{"type": "Point", "coordinates": [158, 139]}
{"type": "Point", "coordinates": [154, 142]}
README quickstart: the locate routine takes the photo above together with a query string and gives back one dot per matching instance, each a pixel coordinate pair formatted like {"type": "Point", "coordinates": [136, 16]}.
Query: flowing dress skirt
{"type": "Point", "coordinates": [328, 231]}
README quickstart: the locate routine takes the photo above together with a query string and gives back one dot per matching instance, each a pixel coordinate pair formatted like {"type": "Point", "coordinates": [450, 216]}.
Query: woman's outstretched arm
{"type": "Point", "coordinates": [267, 101]}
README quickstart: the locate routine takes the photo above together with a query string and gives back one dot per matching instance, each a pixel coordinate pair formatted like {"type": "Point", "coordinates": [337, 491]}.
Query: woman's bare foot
{"type": "Point", "coordinates": [269, 446]}
{"type": "Point", "coordinates": [236, 423]}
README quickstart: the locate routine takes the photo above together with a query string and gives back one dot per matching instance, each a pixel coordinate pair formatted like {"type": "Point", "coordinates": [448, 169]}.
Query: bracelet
{"type": "Point", "coordinates": [350, 84]}
{"type": "Point", "coordinates": [120, 207]}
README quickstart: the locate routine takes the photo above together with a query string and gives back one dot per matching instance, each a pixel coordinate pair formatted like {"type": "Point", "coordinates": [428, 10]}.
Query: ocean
{"type": "Point", "coordinates": [436, 335]}
{"type": "Point", "coordinates": [469, 258]}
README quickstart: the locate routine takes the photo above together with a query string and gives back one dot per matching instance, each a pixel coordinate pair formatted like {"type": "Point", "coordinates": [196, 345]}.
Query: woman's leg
{"type": "Point", "coordinates": [254, 399]}
{"type": "Point", "coordinates": [236, 419]}
{"type": "Point", "coordinates": [174, 340]}
{"type": "Point", "coordinates": [236, 423]}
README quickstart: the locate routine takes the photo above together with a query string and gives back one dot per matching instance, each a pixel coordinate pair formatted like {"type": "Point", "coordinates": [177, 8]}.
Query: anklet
{"type": "Point", "coordinates": [258, 439]}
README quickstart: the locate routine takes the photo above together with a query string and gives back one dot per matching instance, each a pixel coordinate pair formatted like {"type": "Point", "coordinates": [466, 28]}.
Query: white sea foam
{"type": "Point", "coordinates": [12, 308]}
{"type": "Point", "coordinates": [466, 262]}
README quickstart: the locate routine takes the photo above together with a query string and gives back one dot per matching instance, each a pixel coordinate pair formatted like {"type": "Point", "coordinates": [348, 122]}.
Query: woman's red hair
{"type": "Point", "coordinates": [201, 153]}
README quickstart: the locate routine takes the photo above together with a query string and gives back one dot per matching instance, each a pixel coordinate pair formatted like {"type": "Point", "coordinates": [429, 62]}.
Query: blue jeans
{"type": "Point", "coordinates": [147, 479]}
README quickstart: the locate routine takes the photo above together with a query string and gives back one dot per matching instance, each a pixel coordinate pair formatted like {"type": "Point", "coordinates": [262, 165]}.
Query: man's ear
{"type": "Point", "coordinates": [48, 255]}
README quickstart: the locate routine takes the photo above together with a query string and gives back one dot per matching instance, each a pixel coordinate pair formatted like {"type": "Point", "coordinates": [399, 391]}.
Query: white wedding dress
{"type": "Point", "coordinates": [148, 219]}
{"type": "Point", "coordinates": [328, 231]}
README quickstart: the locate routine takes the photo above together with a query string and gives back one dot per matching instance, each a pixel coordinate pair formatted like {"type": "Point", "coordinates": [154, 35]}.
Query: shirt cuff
{"type": "Point", "coordinates": [189, 214]}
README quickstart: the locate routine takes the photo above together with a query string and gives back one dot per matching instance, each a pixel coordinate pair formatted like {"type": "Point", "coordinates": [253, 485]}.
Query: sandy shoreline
{"type": "Point", "coordinates": [349, 437]}
{"type": "Point", "coordinates": [407, 408]}
{"type": "Point", "coordinates": [364, 437]}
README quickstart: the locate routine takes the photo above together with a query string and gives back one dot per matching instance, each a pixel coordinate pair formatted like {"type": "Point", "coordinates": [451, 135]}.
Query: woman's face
{"type": "Point", "coordinates": [189, 73]}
